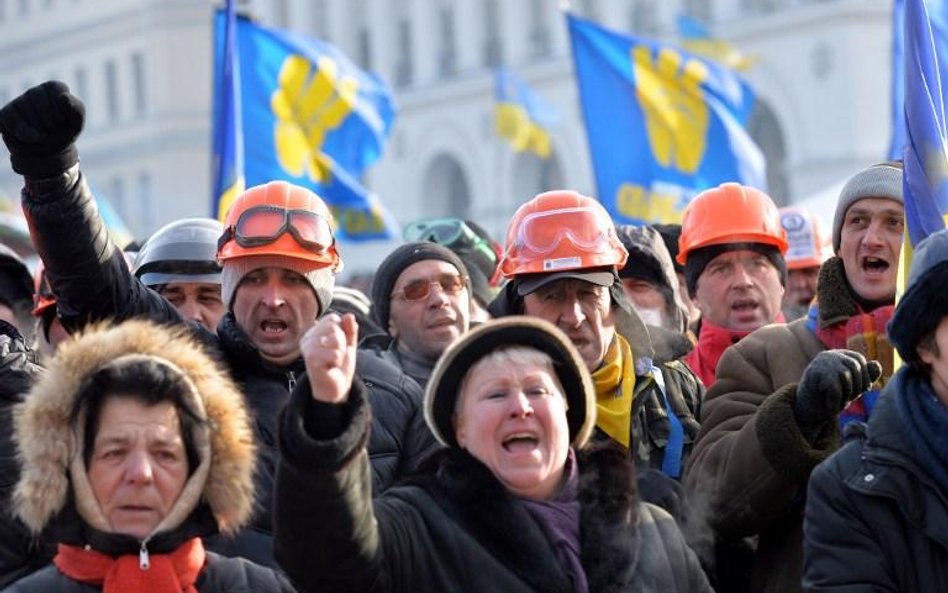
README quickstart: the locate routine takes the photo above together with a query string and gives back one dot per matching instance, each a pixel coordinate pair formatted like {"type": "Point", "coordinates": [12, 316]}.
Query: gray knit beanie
{"type": "Point", "coordinates": [319, 275]}
{"type": "Point", "coordinates": [878, 181]}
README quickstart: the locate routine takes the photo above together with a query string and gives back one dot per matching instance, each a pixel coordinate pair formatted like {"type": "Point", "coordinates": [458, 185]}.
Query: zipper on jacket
{"type": "Point", "coordinates": [291, 379]}
{"type": "Point", "coordinates": [143, 561]}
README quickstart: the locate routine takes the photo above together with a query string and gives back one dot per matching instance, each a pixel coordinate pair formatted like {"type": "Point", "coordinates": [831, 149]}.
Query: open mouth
{"type": "Point", "coordinates": [875, 265]}
{"type": "Point", "coordinates": [272, 326]}
{"type": "Point", "coordinates": [129, 508]}
{"type": "Point", "coordinates": [744, 305]}
{"type": "Point", "coordinates": [521, 442]}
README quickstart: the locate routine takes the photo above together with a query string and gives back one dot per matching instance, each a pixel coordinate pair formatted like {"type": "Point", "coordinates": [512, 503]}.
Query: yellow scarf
{"type": "Point", "coordinates": [615, 386]}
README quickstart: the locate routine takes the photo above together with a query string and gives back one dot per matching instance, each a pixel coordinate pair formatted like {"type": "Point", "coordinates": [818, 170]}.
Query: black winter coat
{"type": "Point", "coordinates": [91, 280]}
{"type": "Point", "coordinates": [19, 555]}
{"type": "Point", "coordinates": [454, 527]}
{"type": "Point", "coordinates": [220, 574]}
{"type": "Point", "coordinates": [875, 520]}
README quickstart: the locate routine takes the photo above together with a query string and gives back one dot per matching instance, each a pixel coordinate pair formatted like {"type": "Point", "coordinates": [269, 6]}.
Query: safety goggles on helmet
{"type": "Point", "coordinates": [587, 228]}
{"type": "Point", "coordinates": [419, 289]}
{"type": "Point", "coordinates": [452, 233]}
{"type": "Point", "coordinates": [263, 225]}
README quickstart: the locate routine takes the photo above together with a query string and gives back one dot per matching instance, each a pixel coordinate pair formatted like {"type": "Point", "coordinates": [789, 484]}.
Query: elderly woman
{"type": "Point", "coordinates": [133, 445]}
{"type": "Point", "coordinates": [510, 504]}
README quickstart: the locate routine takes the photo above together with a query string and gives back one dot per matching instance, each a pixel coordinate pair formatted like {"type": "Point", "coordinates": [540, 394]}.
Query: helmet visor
{"type": "Point", "coordinates": [263, 225]}
{"type": "Point", "coordinates": [586, 228]}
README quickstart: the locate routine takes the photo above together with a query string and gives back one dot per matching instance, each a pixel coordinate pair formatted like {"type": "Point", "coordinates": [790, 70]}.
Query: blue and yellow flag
{"type": "Point", "coordinates": [228, 165]}
{"type": "Point", "coordinates": [663, 124]}
{"type": "Point", "coordinates": [926, 135]}
{"type": "Point", "coordinates": [697, 39]}
{"type": "Point", "coordinates": [313, 118]}
{"type": "Point", "coordinates": [521, 117]}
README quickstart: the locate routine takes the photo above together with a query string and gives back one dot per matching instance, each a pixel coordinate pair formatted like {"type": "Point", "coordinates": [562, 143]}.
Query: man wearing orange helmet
{"type": "Point", "coordinates": [279, 259]}
{"type": "Point", "coordinates": [809, 247]}
{"type": "Point", "coordinates": [562, 259]}
{"type": "Point", "coordinates": [773, 412]}
{"type": "Point", "coordinates": [732, 247]}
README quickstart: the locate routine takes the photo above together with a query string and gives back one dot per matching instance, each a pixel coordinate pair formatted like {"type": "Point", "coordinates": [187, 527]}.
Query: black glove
{"type": "Point", "coordinates": [661, 490]}
{"type": "Point", "coordinates": [40, 128]}
{"type": "Point", "coordinates": [829, 382]}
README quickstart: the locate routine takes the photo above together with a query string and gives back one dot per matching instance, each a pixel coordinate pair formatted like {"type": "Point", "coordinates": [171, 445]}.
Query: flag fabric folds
{"type": "Point", "coordinates": [228, 166]}
{"type": "Point", "coordinates": [311, 117]}
{"type": "Point", "coordinates": [925, 153]}
{"type": "Point", "coordinates": [697, 39]}
{"type": "Point", "coordinates": [662, 124]}
{"type": "Point", "coordinates": [521, 117]}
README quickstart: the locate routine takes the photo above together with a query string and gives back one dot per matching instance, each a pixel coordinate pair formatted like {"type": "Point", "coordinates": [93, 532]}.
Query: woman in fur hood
{"type": "Point", "coordinates": [133, 446]}
{"type": "Point", "coordinates": [512, 503]}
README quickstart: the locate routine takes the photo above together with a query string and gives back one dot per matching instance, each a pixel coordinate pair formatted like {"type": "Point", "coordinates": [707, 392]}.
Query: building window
{"type": "Point", "coordinates": [699, 10]}
{"type": "Point", "coordinates": [591, 9]}
{"type": "Point", "coordinates": [643, 17]}
{"type": "Point", "coordinates": [81, 89]}
{"type": "Point", "coordinates": [539, 33]}
{"type": "Point", "coordinates": [493, 44]}
{"type": "Point", "coordinates": [447, 60]}
{"type": "Point", "coordinates": [319, 14]}
{"type": "Point", "coordinates": [112, 90]}
{"type": "Point", "coordinates": [759, 6]}
{"type": "Point", "coordinates": [404, 64]}
{"type": "Point", "coordinates": [139, 80]}
{"type": "Point", "coordinates": [24, 8]}
{"type": "Point", "coordinates": [3, 10]}
{"type": "Point", "coordinates": [117, 197]}
{"type": "Point", "coordinates": [364, 47]}
{"type": "Point", "coordinates": [145, 199]}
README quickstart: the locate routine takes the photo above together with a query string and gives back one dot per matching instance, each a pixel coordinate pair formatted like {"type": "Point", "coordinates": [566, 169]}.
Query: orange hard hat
{"type": "Point", "coordinates": [43, 297]}
{"type": "Point", "coordinates": [558, 231]}
{"type": "Point", "coordinates": [809, 243]}
{"type": "Point", "coordinates": [279, 218]}
{"type": "Point", "coordinates": [730, 213]}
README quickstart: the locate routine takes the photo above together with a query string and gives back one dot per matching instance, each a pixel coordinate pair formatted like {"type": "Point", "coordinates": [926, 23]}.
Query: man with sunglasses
{"type": "Point", "coordinates": [421, 297]}
{"type": "Point", "coordinates": [278, 264]}
{"type": "Point", "coordinates": [562, 259]}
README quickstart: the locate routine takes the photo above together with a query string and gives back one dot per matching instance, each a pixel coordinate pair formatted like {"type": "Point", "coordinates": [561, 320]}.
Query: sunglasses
{"type": "Point", "coordinates": [263, 225]}
{"type": "Point", "coordinates": [419, 289]}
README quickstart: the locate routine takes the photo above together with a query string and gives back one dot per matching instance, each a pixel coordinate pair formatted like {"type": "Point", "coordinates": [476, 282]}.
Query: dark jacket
{"type": "Point", "coordinates": [875, 520]}
{"type": "Point", "coordinates": [91, 280]}
{"type": "Point", "coordinates": [220, 575]}
{"type": "Point", "coordinates": [385, 347]}
{"type": "Point", "coordinates": [19, 554]}
{"type": "Point", "coordinates": [454, 527]}
{"type": "Point", "coordinates": [749, 469]}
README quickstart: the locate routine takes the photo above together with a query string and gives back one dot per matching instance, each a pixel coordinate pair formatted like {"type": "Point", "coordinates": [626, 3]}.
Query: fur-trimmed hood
{"type": "Point", "coordinates": [50, 445]}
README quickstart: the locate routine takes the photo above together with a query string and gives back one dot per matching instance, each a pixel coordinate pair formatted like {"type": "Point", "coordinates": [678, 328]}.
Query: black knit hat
{"type": "Point", "coordinates": [393, 266]}
{"type": "Point", "coordinates": [925, 301]}
{"type": "Point", "coordinates": [670, 234]}
{"type": "Point", "coordinates": [699, 259]}
{"type": "Point", "coordinates": [516, 330]}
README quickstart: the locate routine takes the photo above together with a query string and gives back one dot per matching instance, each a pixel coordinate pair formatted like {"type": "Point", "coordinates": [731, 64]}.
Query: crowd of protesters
{"type": "Point", "coordinates": [586, 407]}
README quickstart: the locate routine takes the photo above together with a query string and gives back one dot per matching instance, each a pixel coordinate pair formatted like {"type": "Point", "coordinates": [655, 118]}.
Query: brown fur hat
{"type": "Point", "coordinates": [50, 446]}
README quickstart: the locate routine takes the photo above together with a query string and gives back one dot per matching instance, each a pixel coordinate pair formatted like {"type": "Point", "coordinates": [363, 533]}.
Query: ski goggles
{"type": "Point", "coordinates": [263, 225]}
{"type": "Point", "coordinates": [419, 289]}
{"type": "Point", "coordinates": [456, 235]}
{"type": "Point", "coordinates": [587, 228]}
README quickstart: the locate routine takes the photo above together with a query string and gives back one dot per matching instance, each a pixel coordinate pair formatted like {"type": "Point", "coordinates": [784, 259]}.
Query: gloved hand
{"type": "Point", "coordinates": [40, 128]}
{"type": "Point", "coordinates": [830, 380]}
{"type": "Point", "coordinates": [661, 490]}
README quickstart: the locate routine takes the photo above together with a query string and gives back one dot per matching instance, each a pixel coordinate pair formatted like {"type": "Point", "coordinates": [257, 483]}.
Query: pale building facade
{"type": "Point", "coordinates": [144, 69]}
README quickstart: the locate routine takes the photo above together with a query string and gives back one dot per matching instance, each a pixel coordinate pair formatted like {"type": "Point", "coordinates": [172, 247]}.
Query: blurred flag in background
{"type": "Point", "coordinates": [521, 117]}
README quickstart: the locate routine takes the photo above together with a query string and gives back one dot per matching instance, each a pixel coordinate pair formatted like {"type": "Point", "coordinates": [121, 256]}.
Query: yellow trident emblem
{"type": "Point", "coordinates": [676, 114]}
{"type": "Point", "coordinates": [308, 104]}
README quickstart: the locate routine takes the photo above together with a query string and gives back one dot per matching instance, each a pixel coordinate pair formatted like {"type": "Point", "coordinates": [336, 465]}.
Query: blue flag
{"type": "Point", "coordinates": [521, 117]}
{"type": "Point", "coordinates": [926, 135]}
{"type": "Point", "coordinates": [663, 124]}
{"type": "Point", "coordinates": [313, 118]}
{"type": "Point", "coordinates": [228, 165]}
